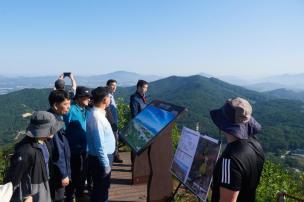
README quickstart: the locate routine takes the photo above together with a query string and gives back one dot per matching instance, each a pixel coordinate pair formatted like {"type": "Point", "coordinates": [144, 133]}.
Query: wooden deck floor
{"type": "Point", "coordinates": [121, 185]}
{"type": "Point", "coordinates": [122, 189]}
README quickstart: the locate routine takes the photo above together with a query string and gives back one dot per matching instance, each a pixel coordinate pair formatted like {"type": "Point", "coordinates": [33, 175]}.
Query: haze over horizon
{"type": "Point", "coordinates": [229, 77]}
{"type": "Point", "coordinates": [224, 38]}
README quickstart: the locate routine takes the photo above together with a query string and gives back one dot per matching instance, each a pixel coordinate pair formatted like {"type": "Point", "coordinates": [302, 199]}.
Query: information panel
{"type": "Point", "coordinates": [148, 124]}
{"type": "Point", "coordinates": [194, 161]}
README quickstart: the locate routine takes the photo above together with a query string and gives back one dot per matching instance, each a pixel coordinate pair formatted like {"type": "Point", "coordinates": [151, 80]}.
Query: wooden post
{"type": "Point", "coordinates": [140, 168]}
{"type": "Point", "coordinates": [281, 197]}
{"type": "Point", "coordinates": [154, 164]}
{"type": "Point", "coordinates": [159, 178]}
{"type": "Point", "coordinates": [160, 185]}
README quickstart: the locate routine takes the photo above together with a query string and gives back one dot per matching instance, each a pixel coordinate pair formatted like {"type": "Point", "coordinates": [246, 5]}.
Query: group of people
{"type": "Point", "coordinates": [76, 141]}
{"type": "Point", "coordinates": [72, 144]}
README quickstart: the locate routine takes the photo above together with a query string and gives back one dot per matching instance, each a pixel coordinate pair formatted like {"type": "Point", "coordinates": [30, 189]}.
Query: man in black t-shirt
{"type": "Point", "coordinates": [238, 170]}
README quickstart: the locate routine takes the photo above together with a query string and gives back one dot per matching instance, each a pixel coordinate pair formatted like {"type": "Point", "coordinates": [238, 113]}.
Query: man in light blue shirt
{"type": "Point", "coordinates": [101, 145]}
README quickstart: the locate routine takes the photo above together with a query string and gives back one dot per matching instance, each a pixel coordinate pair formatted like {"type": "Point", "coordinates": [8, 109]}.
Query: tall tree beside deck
{"type": "Point", "coordinates": [124, 114]}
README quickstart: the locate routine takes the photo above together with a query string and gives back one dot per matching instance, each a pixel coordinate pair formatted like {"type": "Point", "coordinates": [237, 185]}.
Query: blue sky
{"type": "Point", "coordinates": [162, 37]}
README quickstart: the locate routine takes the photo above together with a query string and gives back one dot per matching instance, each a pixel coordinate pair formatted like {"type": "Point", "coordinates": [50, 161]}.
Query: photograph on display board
{"type": "Point", "coordinates": [148, 124]}
{"type": "Point", "coordinates": [200, 175]}
{"type": "Point", "coordinates": [194, 161]}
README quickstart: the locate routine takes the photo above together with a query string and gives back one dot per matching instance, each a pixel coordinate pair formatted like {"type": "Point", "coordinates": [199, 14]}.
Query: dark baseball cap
{"type": "Point", "coordinates": [82, 91]}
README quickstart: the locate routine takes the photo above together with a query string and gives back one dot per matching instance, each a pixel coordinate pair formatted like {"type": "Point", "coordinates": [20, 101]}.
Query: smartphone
{"type": "Point", "coordinates": [66, 74]}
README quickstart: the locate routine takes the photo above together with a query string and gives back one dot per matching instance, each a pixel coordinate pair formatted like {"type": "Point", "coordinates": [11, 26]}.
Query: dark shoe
{"type": "Point", "coordinates": [118, 160]}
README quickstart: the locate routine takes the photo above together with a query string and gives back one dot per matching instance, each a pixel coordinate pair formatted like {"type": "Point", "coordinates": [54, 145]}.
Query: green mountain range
{"type": "Point", "coordinates": [282, 120]}
{"type": "Point", "coordinates": [283, 93]}
{"type": "Point", "coordinates": [16, 104]}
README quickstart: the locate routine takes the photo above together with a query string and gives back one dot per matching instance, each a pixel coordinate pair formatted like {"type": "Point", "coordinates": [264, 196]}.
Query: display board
{"type": "Point", "coordinates": [148, 124]}
{"type": "Point", "coordinates": [194, 161]}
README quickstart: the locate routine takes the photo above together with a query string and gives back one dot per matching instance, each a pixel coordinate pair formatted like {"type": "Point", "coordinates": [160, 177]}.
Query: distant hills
{"type": "Point", "coordinates": [288, 81]}
{"type": "Point", "coordinates": [286, 94]}
{"type": "Point", "coordinates": [124, 78]}
{"type": "Point", "coordinates": [9, 84]}
{"type": "Point", "coordinates": [282, 119]}
{"type": "Point", "coordinates": [16, 104]}
{"type": "Point", "coordinates": [293, 82]}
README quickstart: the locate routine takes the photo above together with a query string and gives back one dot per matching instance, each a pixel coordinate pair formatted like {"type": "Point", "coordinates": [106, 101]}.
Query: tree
{"type": "Point", "coordinates": [124, 113]}
{"type": "Point", "coordinates": [275, 179]}
{"type": "Point", "coordinates": [175, 136]}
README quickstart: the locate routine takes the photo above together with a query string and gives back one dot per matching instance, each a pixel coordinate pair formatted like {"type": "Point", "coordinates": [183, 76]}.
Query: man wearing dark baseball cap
{"type": "Point", "coordinates": [238, 170]}
{"type": "Point", "coordinates": [29, 171]}
{"type": "Point", "coordinates": [75, 121]}
{"type": "Point", "coordinates": [82, 91]}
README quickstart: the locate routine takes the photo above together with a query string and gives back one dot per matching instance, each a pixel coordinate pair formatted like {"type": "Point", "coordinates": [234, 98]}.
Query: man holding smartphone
{"type": "Point", "coordinates": [60, 84]}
